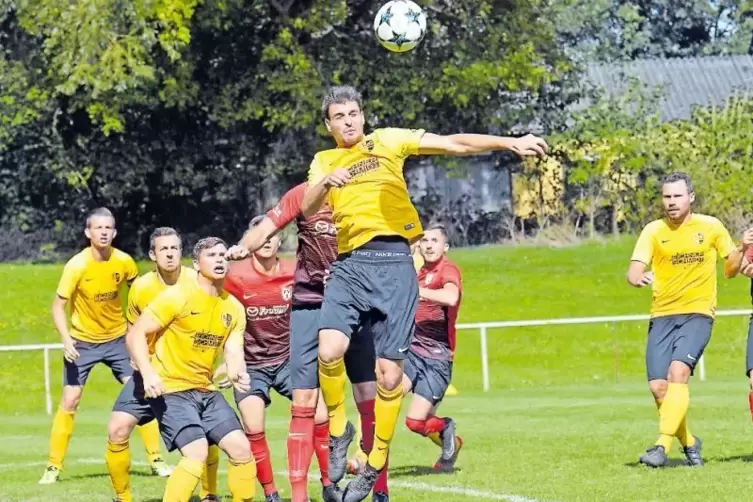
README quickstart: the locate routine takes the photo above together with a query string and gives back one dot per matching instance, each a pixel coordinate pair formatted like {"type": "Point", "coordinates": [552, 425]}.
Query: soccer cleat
{"type": "Point", "coordinates": [210, 498]}
{"type": "Point", "coordinates": [273, 497]}
{"type": "Point", "coordinates": [693, 453]}
{"type": "Point", "coordinates": [160, 468]}
{"type": "Point", "coordinates": [338, 453]}
{"type": "Point", "coordinates": [355, 464]}
{"type": "Point", "coordinates": [360, 487]}
{"type": "Point", "coordinates": [51, 475]}
{"type": "Point", "coordinates": [451, 445]}
{"type": "Point", "coordinates": [380, 497]}
{"type": "Point", "coordinates": [331, 493]}
{"type": "Point", "coordinates": [654, 456]}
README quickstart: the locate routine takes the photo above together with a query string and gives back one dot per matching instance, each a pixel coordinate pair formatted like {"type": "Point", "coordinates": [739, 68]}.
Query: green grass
{"type": "Point", "coordinates": [566, 419]}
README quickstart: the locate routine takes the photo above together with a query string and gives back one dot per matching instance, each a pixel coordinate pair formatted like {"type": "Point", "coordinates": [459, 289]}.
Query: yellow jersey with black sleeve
{"type": "Point", "coordinates": [145, 289]}
{"type": "Point", "coordinates": [92, 289]}
{"type": "Point", "coordinates": [375, 202]}
{"type": "Point", "coordinates": [683, 259]}
{"type": "Point", "coordinates": [195, 327]}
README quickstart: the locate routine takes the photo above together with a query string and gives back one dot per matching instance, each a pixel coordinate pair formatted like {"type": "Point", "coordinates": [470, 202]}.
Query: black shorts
{"type": "Point", "coordinates": [189, 415]}
{"type": "Point", "coordinates": [429, 377]}
{"type": "Point", "coordinates": [132, 400]}
{"type": "Point", "coordinates": [275, 377]}
{"type": "Point", "coordinates": [373, 288]}
{"type": "Point", "coordinates": [304, 347]}
{"type": "Point", "coordinates": [113, 353]}
{"type": "Point", "coordinates": [681, 337]}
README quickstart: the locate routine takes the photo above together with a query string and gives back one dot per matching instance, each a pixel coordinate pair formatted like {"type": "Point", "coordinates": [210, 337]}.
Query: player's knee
{"type": "Point", "coordinates": [239, 449]}
{"type": "Point", "coordinates": [679, 372]}
{"type": "Point", "coordinates": [332, 345]}
{"type": "Point", "coordinates": [364, 391]}
{"type": "Point", "coordinates": [389, 373]}
{"type": "Point", "coordinates": [305, 398]}
{"type": "Point", "coordinates": [118, 430]}
{"type": "Point", "coordinates": [71, 398]}
{"type": "Point", "coordinates": [658, 388]}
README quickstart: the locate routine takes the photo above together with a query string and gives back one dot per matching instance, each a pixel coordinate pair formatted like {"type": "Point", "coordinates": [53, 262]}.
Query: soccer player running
{"type": "Point", "coordinates": [746, 269]}
{"type": "Point", "coordinates": [682, 249]}
{"type": "Point", "coordinates": [91, 284]}
{"type": "Point", "coordinates": [309, 426]}
{"type": "Point", "coordinates": [193, 323]}
{"type": "Point", "coordinates": [264, 284]}
{"type": "Point", "coordinates": [373, 280]}
{"type": "Point", "coordinates": [428, 368]}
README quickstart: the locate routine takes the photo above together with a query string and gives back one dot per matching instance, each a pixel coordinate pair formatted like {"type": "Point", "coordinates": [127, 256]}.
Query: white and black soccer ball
{"type": "Point", "coordinates": [400, 25]}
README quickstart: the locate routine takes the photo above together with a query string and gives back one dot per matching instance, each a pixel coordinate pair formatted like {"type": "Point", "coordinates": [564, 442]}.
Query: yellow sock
{"type": "Point", "coordinates": [209, 476]}
{"type": "Point", "coordinates": [118, 460]}
{"type": "Point", "coordinates": [386, 411]}
{"type": "Point", "coordinates": [684, 434]}
{"type": "Point", "coordinates": [658, 403]}
{"type": "Point", "coordinates": [182, 482]}
{"type": "Point", "coordinates": [241, 479]}
{"type": "Point", "coordinates": [359, 434]}
{"type": "Point", "coordinates": [62, 428]}
{"type": "Point", "coordinates": [434, 436]}
{"type": "Point", "coordinates": [332, 383]}
{"type": "Point", "coordinates": [151, 438]}
{"type": "Point", "coordinates": [672, 413]}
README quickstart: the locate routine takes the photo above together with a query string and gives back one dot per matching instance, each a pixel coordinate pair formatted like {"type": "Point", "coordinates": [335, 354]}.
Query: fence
{"type": "Point", "coordinates": [483, 328]}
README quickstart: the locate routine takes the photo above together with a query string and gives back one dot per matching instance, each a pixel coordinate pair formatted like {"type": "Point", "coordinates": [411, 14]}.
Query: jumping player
{"type": "Point", "coordinates": [373, 280]}
{"type": "Point", "coordinates": [131, 407]}
{"type": "Point", "coordinates": [91, 284]}
{"type": "Point", "coordinates": [682, 248]}
{"type": "Point", "coordinates": [193, 323]}
{"type": "Point", "coordinates": [317, 249]}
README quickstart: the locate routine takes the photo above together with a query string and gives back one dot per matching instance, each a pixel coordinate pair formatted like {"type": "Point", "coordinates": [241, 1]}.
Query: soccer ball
{"type": "Point", "coordinates": [400, 25]}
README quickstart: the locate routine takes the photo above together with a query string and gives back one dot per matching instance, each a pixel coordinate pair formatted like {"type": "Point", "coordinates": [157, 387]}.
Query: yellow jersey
{"type": "Point", "coordinates": [418, 261]}
{"type": "Point", "coordinates": [195, 327]}
{"type": "Point", "coordinates": [93, 291]}
{"type": "Point", "coordinates": [683, 260]}
{"type": "Point", "coordinates": [375, 202]}
{"type": "Point", "coordinates": [145, 289]}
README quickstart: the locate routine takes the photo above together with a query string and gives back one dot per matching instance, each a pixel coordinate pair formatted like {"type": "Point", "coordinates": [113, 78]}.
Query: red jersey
{"type": "Point", "coordinates": [435, 324]}
{"type": "Point", "coordinates": [266, 299]}
{"type": "Point", "coordinates": [317, 245]}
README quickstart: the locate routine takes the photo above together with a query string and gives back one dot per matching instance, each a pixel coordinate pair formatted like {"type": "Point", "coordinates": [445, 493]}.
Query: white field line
{"type": "Point", "coordinates": [423, 487]}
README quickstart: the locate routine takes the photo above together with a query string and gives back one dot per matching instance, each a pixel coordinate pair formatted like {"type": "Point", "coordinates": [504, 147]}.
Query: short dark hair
{"type": "Point", "coordinates": [100, 211]}
{"type": "Point", "coordinates": [256, 220]}
{"type": "Point", "coordinates": [162, 232]}
{"type": "Point", "coordinates": [206, 243]}
{"type": "Point", "coordinates": [340, 94]}
{"type": "Point", "coordinates": [437, 226]}
{"type": "Point", "coordinates": [676, 176]}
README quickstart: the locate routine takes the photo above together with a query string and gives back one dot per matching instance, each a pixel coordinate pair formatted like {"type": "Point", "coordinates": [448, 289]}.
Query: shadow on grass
{"type": "Point", "coordinates": [95, 475]}
{"type": "Point", "coordinates": [671, 464]}
{"type": "Point", "coordinates": [405, 471]}
{"type": "Point", "coordinates": [734, 458]}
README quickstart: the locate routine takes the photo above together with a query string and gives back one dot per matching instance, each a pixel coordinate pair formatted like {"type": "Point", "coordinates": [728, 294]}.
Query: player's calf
{"type": "Point", "coordinates": [241, 473]}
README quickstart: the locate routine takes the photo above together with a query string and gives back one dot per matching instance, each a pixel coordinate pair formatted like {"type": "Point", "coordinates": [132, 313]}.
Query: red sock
{"type": "Point", "coordinates": [264, 472]}
{"type": "Point", "coordinates": [381, 482]}
{"type": "Point", "coordinates": [434, 424]}
{"type": "Point", "coordinates": [321, 446]}
{"type": "Point", "coordinates": [300, 449]}
{"type": "Point", "coordinates": [366, 411]}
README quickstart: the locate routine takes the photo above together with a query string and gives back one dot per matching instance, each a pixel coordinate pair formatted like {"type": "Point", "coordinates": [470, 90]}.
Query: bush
{"type": "Point", "coordinates": [38, 246]}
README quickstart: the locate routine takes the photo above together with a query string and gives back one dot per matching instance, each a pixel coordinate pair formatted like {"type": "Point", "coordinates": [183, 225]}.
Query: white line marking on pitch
{"type": "Point", "coordinates": [424, 487]}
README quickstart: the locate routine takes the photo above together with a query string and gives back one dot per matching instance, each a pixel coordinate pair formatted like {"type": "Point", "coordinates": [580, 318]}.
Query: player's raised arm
{"type": "Point", "coordinates": [253, 239]}
{"type": "Point", "coordinates": [448, 296]}
{"type": "Point", "coordinates": [472, 144]}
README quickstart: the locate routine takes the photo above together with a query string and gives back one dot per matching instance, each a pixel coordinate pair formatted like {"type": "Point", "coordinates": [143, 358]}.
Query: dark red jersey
{"type": "Point", "coordinates": [435, 324]}
{"type": "Point", "coordinates": [267, 300]}
{"type": "Point", "coordinates": [317, 245]}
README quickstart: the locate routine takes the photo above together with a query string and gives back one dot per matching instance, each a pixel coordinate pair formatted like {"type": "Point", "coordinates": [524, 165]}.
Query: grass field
{"type": "Point", "coordinates": [566, 419]}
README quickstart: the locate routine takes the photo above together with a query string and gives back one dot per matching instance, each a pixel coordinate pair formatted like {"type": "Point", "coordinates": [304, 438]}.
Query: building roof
{"type": "Point", "coordinates": [687, 82]}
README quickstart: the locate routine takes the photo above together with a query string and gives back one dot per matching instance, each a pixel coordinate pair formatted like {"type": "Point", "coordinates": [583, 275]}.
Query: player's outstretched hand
{"type": "Point", "coordinates": [337, 178]}
{"type": "Point", "coordinates": [153, 386]}
{"type": "Point", "coordinates": [747, 271]}
{"type": "Point", "coordinates": [242, 383]}
{"type": "Point", "coordinates": [530, 145]}
{"type": "Point", "coordinates": [69, 350]}
{"type": "Point", "coordinates": [236, 253]}
{"type": "Point", "coordinates": [747, 239]}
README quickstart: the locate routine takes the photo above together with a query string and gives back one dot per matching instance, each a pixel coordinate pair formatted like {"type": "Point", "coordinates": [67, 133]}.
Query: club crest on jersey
{"type": "Point", "coordinates": [699, 238]}
{"type": "Point", "coordinates": [369, 144]}
{"type": "Point", "coordinates": [287, 293]}
{"type": "Point", "coordinates": [428, 279]}
{"type": "Point", "coordinates": [116, 276]}
{"type": "Point", "coordinates": [226, 319]}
